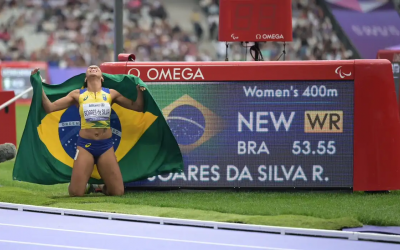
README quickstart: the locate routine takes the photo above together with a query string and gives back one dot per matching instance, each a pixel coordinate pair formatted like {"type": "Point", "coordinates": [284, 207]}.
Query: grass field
{"type": "Point", "coordinates": [301, 209]}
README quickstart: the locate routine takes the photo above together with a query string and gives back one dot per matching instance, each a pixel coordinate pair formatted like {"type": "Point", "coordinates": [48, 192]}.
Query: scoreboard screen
{"type": "Point", "coordinates": [15, 76]}
{"type": "Point", "coordinates": [259, 133]}
{"type": "Point", "coordinates": [17, 80]}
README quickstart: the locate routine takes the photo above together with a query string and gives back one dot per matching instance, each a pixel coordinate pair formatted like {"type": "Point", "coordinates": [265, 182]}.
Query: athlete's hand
{"type": "Point", "coordinates": [34, 71]}
{"type": "Point", "coordinates": [140, 87]}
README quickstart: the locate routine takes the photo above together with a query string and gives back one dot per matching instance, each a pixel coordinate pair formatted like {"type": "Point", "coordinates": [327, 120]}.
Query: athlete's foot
{"type": "Point", "coordinates": [94, 188]}
{"type": "Point", "coordinates": [99, 188]}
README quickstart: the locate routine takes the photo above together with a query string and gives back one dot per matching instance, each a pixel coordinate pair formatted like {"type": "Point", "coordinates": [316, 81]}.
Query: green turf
{"type": "Point", "coordinates": [307, 210]}
{"type": "Point", "coordinates": [185, 213]}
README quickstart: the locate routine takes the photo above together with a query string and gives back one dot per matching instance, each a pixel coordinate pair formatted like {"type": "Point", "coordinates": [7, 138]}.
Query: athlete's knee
{"type": "Point", "coordinates": [116, 191]}
{"type": "Point", "coordinates": [75, 192]}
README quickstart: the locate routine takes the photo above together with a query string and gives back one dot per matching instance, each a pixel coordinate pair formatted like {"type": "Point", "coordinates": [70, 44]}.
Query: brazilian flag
{"type": "Point", "coordinates": [143, 142]}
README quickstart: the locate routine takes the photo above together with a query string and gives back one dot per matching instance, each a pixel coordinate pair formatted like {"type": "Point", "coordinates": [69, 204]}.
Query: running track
{"type": "Point", "coordinates": [31, 230]}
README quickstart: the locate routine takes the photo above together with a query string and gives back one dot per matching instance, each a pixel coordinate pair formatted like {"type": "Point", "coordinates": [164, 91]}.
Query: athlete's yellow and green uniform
{"type": "Point", "coordinates": [93, 119]}
{"type": "Point", "coordinates": [95, 112]}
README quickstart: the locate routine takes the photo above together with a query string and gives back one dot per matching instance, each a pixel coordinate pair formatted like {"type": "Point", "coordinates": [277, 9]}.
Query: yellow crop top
{"type": "Point", "coordinates": [95, 108]}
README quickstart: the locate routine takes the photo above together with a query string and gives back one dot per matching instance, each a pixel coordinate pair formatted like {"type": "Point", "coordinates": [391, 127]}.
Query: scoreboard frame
{"type": "Point", "coordinates": [376, 161]}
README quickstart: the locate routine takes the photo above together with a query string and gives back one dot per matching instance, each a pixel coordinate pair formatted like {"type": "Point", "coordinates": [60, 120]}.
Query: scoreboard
{"type": "Point", "coordinates": [255, 20]}
{"type": "Point", "coordinates": [277, 124]}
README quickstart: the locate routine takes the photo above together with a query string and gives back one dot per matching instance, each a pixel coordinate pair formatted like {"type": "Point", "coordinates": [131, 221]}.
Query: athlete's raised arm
{"type": "Point", "coordinates": [61, 103]}
{"type": "Point", "coordinates": [124, 102]}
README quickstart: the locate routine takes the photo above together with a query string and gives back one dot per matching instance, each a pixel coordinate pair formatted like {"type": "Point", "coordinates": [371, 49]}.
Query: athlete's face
{"type": "Point", "coordinates": [93, 71]}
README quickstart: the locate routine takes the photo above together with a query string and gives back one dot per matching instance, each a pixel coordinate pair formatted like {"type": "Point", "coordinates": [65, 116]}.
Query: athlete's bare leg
{"type": "Point", "coordinates": [81, 171]}
{"type": "Point", "coordinates": [109, 171]}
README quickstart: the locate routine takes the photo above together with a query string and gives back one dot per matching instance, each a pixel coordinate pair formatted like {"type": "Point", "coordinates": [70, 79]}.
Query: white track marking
{"type": "Point", "coordinates": [49, 245]}
{"type": "Point", "coordinates": [144, 237]}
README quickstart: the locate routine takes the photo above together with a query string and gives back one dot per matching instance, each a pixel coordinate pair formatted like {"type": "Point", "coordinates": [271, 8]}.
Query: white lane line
{"type": "Point", "coordinates": [144, 237]}
{"type": "Point", "coordinates": [49, 245]}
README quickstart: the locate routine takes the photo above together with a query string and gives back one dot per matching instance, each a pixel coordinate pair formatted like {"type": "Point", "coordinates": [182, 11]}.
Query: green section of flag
{"type": "Point", "coordinates": [155, 152]}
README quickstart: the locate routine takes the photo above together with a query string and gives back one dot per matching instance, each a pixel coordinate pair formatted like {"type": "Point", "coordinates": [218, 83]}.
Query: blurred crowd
{"type": "Point", "coordinates": [77, 33]}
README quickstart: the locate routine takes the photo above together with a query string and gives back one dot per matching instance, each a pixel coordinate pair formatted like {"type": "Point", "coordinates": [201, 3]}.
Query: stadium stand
{"type": "Point", "coordinates": [72, 33]}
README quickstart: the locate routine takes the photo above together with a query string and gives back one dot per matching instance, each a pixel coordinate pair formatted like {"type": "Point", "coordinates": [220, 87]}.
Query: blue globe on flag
{"type": "Point", "coordinates": [187, 124]}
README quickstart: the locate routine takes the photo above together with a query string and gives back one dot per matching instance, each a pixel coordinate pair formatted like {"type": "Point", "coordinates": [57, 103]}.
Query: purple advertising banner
{"type": "Point", "coordinates": [58, 75]}
{"type": "Point", "coordinates": [371, 25]}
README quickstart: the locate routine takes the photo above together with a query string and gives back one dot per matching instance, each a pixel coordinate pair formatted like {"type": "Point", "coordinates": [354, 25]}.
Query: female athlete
{"type": "Point", "coordinates": [94, 145]}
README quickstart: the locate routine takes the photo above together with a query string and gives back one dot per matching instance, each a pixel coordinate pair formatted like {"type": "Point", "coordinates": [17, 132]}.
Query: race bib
{"type": "Point", "coordinates": [94, 112]}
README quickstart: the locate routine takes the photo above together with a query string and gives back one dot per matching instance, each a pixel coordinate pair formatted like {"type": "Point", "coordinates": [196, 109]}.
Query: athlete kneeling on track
{"type": "Point", "coordinates": [94, 145]}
